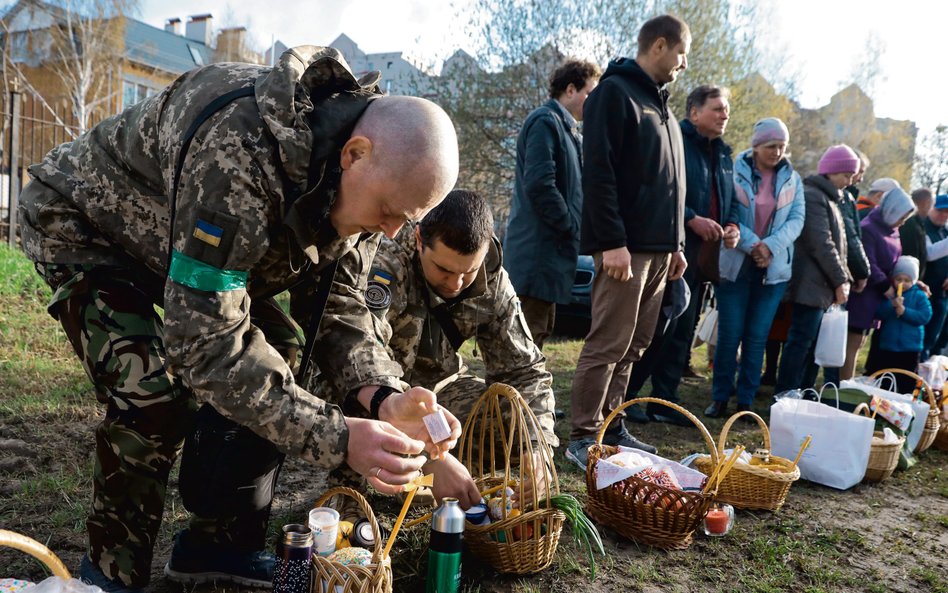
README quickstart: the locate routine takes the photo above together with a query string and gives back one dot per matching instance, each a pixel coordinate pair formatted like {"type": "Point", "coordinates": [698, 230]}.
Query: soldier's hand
{"type": "Point", "coordinates": [384, 455]}
{"type": "Point", "coordinates": [451, 478]}
{"type": "Point", "coordinates": [405, 411]}
{"type": "Point", "coordinates": [534, 470]}
{"type": "Point", "coordinates": [617, 263]}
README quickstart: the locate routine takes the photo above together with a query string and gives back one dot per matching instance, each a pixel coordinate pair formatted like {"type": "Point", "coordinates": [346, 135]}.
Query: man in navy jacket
{"type": "Point", "coordinates": [710, 172]}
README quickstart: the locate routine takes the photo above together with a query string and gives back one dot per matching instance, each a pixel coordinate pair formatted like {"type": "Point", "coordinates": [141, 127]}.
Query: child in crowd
{"type": "Point", "coordinates": [903, 313]}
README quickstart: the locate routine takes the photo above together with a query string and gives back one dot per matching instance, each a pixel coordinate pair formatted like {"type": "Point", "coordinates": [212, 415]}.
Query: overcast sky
{"type": "Point", "coordinates": [826, 39]}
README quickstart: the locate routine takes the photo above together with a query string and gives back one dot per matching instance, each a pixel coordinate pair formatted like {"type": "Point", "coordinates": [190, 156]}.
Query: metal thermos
{"type": "Point", "coordinates": [362, 535]}
{"type": "Point", "coordinates": [294, 555]}
{"type": "Point", "coordinates": [444, 550]}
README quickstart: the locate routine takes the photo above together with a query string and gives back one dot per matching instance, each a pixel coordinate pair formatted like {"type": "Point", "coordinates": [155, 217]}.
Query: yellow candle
{"type": "Point", "coordinates": [411, 488]}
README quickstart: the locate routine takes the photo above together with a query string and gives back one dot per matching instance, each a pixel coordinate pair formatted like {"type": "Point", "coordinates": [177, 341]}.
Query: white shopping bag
{"type": "Point", "coordinates": [839, 452]}
{"type": "Point", "coordinates": [920, 407]}
{"type": "Point", "coordinates": [831, 342]}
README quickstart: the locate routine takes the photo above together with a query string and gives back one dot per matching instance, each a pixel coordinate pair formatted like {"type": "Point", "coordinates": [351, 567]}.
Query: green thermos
{"type": "Point", "coordinates": [444, 549]}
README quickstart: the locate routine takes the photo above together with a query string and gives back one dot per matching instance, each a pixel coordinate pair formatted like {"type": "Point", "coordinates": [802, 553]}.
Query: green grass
{"type": "Point", "coordinates": [873, 538]}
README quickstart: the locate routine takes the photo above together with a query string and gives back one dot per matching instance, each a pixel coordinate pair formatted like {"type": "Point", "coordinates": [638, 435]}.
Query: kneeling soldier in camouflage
{"type": "Point", "coordinates": [437, 284]}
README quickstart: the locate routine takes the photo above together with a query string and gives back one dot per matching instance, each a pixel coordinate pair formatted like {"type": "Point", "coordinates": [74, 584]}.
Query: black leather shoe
{"type": "Point", "coordinates": [667, 415]}
{"type": "Point", "coordinates": [746, 419]}
{"type": "Point", "coordinates": [716, 410]}
{"type": "Point", "coordinates": [635, 414]}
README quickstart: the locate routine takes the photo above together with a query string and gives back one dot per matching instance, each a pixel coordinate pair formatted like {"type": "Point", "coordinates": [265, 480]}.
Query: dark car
{"type": "Point", "coordinates": [573, 319]}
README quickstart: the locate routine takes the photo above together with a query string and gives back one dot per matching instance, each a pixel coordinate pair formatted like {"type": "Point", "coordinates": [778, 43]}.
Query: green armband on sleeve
{"type": "Point", "coordinates": [201, 276]}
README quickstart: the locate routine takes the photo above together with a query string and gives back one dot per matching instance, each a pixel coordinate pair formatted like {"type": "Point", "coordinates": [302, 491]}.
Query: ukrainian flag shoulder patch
{"type": "Point", "coordinates": [381, 277]}
{"type": "Point", "coordinates": [207, 232]}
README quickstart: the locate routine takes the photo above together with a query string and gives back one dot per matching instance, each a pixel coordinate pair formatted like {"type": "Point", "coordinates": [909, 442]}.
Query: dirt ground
{"type": "Point", "coordinates": [886, 537]}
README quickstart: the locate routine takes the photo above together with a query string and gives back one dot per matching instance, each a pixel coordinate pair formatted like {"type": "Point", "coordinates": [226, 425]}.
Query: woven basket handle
{"type": "Point", "coordinates": [366, 508]}
{"type": "Point", "coordinates": [863, 409]}
{"type": "Point", "coordinates": [32, 547]}
{"type": "Point", "coordinates": [708, 439]}
{"type": "Point", "coordinates": [722, 440]}
{"type": "Point", "coordinates": [926, 388]}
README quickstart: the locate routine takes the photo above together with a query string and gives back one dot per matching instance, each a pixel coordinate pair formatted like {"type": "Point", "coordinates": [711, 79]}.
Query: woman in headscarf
{"type": "Point", "coordinates": [769, 204]}
{"type": "Point", "coordinates": [880, 237]}
{"type": "Point", "coordinates": [820, 273]}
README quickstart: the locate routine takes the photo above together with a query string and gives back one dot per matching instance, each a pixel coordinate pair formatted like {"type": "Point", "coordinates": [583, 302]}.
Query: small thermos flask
{"type": "Point", "coordinates": [294, 556]}
{"type": "Point", "coordinates": [444, 550]}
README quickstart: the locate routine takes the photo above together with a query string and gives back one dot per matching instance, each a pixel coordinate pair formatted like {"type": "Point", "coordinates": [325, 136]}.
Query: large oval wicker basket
{"type": "Point", "coordinates": [333, 577]}
{"type": "Point", "coordinates": [643, 511]}
{"type": "Point", "coordinates": [35, 549]}
{"type": "Point", "coordinates": [932, 422]}
{"type": "Point", "coordinates": [883, 457]}
{"type": "Point", "coordinates": [749, 486]}
{"type": "Point", "coordinates": [500, 433]}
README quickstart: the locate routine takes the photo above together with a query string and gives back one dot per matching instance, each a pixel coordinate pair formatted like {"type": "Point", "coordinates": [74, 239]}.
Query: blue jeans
{"type": "Point", "coordinates": [801, 337]}
{"type": "Point", "coordinates": [746, 309]}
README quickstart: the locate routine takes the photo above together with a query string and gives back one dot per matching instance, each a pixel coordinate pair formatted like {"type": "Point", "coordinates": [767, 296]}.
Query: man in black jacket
{"type": "Point", "coordinates": [710, 171]}
{"type": "Point", "coordinates": [633, 222]}
{"type": "Point", "coordinates": [542, 240]}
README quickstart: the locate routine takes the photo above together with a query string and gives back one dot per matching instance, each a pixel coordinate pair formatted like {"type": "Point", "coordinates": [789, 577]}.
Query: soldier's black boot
{"type": "Point", "coordinates": [194, 564]}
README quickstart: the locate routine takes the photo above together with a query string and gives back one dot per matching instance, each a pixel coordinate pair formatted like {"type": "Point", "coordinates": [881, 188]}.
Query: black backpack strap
{"type": "Point", "coordinates": [450, 329]}
{"type": "Point", "coordinates": [212, 108]}
{"type": "Point", "coordinates": [319, 307]}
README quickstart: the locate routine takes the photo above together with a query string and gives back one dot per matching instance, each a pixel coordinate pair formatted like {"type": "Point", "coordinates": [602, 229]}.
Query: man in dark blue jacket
{"type": "Point", "coordinates": [633, 223]}
{"type": "Point", "coordinates": [542, 240]}
{"type": "Point", "coordinates": [710, 175]}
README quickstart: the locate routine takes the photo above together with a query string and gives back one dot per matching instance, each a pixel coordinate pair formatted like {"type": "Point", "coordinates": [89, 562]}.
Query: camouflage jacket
{"type": "Point", "coordinates": [406, 332]}
{"type": "Point", "coordinates": [251, 214]}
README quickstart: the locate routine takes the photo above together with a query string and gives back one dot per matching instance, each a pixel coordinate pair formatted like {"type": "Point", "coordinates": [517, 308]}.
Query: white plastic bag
{"type": "Point", "coordinates": [934, 371]}
{"type": "Point", "coordinates": [707, 331]}
{"type": "Point", "coordinates": [60, 585]}
{"type": "Point", "coordinates": [831, 342]}
{"type": "Point", "coordinates": [839, 452]}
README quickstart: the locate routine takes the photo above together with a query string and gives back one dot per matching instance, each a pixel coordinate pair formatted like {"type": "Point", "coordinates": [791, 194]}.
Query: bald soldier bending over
{"type": "Point", "coordinates": [235, 183]}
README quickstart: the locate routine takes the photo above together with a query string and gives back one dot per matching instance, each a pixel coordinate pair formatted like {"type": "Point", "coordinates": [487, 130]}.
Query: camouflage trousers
{"type": "Point", "coordinates": [108, 316]}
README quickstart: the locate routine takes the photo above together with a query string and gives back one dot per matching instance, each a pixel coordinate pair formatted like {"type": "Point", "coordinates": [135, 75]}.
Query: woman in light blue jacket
{"type": "Point", "coordinates": [768, 202]}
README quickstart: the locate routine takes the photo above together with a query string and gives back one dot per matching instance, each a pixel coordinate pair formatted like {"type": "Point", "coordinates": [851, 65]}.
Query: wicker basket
{"type": "Point", "coordinates": [670, 520]}
{"type": "Point", "coordinates": [333, 577]}
{"type": "Point", "coordinates": [749, 486]}
{"type": "Point", "coordinates": [35, 549]}
{"type": "Point", "coordinates": [941, 439]}
{"type": "Point", "coordinates": [883, 457]}
{"type": "Point", "coordinates": [490, 444]}
{"type": "Point", "coordinates": [932, 423]}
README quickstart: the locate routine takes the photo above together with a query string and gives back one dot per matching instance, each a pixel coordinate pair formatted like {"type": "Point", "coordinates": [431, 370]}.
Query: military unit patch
{"type": "Point", "coordinates": [377, 293]}
{"type": "Point", "coordinates": [207, 232]}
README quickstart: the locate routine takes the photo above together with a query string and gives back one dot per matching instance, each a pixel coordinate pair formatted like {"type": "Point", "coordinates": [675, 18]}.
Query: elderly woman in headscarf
{"type": "Point", "coordinates": [880, 237]}
{"type": "Point", "coordinates": [768, 204]}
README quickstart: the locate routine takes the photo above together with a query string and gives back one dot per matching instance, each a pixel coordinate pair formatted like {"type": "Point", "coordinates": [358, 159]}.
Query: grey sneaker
{"type": "Point", "coordinates": [621, 437]}
{"type": "Point", "coordinates": [578, 451]}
